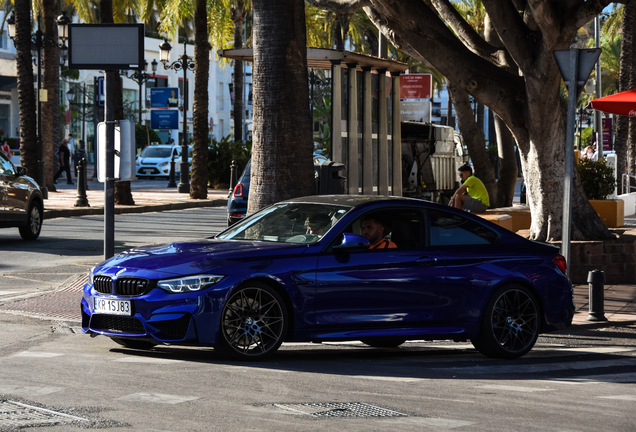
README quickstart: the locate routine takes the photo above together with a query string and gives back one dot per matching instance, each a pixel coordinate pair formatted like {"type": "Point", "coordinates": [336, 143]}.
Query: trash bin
{"type": "Point", "coordinates": [328, 178]}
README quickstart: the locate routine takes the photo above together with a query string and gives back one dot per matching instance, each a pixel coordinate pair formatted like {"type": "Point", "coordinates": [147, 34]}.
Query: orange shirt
{"type": "Point", "coordinates": [383, 244]}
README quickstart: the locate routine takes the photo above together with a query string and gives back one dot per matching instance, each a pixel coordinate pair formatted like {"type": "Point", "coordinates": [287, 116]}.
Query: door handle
{"type": "Point", "coordinates": [426, 260]}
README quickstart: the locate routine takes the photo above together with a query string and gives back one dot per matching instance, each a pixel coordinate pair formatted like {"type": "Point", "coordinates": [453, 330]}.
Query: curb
{"type": "Point", "coordinates": [123, 209]}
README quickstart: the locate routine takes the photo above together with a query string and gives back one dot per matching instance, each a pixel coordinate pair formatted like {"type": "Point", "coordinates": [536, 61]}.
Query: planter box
{"type": "Point", "coordinates": [630, 203]}
{"type": "Point", "coordinates": [612, 211]}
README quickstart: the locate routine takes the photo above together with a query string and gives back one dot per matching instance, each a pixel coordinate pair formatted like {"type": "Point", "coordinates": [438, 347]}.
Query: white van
{"type": "Point", "coordinates": [154, 161]}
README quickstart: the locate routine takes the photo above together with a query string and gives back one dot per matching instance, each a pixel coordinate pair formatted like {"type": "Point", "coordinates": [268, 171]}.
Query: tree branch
{"type": "Point", "coordinates": [512, 31]}
{"type": "Point", "coordinates": [544, 15]}
{"type": "Point", "coordinates": [341, 6]}
{"type": "Point", "coordinates": [469, 36]}
{"type": "Point", "coordinates": [584, 12]}
{"type": "Point", "coordinates": [428, 38]}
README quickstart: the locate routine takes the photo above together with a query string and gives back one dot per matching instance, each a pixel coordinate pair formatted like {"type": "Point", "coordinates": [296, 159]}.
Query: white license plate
{"type": "Point", "coordinates": [148, 171]}
{"type": "Point", "coordinates": [112, 307]}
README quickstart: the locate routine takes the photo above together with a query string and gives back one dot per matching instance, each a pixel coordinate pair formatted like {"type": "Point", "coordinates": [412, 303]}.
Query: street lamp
{"type": "Point", "coordinates": [184, 63]}
{"type": "Point", "coordinates": [141, 77]}
{"type": "Point", "coordinates": [40, 40]}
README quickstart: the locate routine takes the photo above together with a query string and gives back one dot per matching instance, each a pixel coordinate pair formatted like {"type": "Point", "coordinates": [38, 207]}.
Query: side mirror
{"type": "Point", "coordinates": [20, 171]}
{"type": "Point", "coordinates": [353, 241]}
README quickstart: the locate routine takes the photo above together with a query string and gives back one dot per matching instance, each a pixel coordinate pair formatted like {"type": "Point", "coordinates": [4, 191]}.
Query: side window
{"type": "Point", "coordinates": [403, 227]}
{"type": "Point", "coordinates": [6, 167]}
{"type": "Point", "coordinates": [449, 229]}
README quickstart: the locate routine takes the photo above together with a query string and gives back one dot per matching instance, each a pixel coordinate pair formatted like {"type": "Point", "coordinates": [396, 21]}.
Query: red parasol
{"type": "Point", "coordinates": [623, 103]}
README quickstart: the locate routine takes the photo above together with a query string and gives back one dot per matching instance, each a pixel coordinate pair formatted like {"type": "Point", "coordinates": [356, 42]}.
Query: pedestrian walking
{"type": "Point", "coordinates": [65, 163]}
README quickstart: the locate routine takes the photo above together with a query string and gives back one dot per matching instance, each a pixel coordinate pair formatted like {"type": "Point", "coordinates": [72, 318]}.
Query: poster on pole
{"type": "Point", "coordinates": [607, 134]}
{"type": "Point", "coordinates": [416, 86]}
{"type": "Point", "coordinates": [164, 119]}
{"type": "Point", "coordinates": [416, 111]}
{"type": "Point", "coordinates": [164, 97]}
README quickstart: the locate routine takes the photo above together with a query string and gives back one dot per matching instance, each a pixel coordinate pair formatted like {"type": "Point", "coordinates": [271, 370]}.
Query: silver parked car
{"type": "Point", "coordinates": [21, 204]}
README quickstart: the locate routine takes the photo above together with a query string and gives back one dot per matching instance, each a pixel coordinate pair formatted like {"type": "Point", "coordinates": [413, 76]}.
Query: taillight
{"type": "Point", "coordinates": [559, 261]}
{"type": "Point", "coordinates": [238, 190]}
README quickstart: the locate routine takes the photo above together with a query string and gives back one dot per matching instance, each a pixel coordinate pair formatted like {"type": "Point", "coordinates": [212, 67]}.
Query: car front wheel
{"type": "Point", "coordinates": [253, 323]}
{"type": "Point", "coordinates": [510, 324]}
{"type": "Point", "coordinates": [31, 230]}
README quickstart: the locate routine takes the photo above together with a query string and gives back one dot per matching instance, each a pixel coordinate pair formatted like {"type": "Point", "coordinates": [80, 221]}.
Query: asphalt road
{"type": "Point", "coordinates": [68, 246]}
{"type": "Point", "coordinates": [579, 382]}
{"type": "Point", "coordinates": [55, 378]}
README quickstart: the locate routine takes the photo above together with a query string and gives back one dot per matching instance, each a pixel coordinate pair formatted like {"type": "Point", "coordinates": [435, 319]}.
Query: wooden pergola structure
{"type": "Point", "coordinates": [365, 116]}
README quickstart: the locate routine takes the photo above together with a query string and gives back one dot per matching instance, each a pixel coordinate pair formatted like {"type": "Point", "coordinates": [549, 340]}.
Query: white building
{"type": "Point", "coordinates": [82, 127]}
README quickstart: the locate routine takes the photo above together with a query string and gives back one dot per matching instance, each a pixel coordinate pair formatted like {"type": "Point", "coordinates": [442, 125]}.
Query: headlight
{"type": "Point", "coordinates": [163, 164]}
{"type": "Point", "coordinates": [189, 283]}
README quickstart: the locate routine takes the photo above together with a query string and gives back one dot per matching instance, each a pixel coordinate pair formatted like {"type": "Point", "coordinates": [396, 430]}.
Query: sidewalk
{"type": "Point", "coordinates": [149, 196]}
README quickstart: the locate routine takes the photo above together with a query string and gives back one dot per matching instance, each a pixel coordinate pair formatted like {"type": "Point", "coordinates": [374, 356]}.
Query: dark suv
{"type": "Point", "coordinates": [21, 204]}
{"type": "Point", "coordinates": [237, 201]}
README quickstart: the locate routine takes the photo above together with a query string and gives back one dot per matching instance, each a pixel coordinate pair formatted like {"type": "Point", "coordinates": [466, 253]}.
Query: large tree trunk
{"type": "Point", "coordinates": [199, 181]}
{"type": "Point", "coordinates": [508, 169]}
{"type": "Point", "coordinates": [629, 28]}
{"type": "Point", "coordinates": [26, 92]}
{"type": "Point", "coordinates": [238, 14]}
{"type": "Point", "coordinates": [282, 165]}
{"type": "Point", "coordinates": [51, 128]}
{"type": "Point", "coordinates": [528, 102]}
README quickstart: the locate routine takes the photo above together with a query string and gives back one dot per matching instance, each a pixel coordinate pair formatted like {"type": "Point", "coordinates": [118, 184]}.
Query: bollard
{"type": "Point", "coordinates": [171, 182]}
{"type": "Point", "coordinates": [81, 200]}
{"type": "Point", "coordinates": [596, 279]}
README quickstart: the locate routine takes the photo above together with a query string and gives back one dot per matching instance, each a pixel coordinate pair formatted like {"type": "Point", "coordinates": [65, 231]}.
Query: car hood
{"type": "Point", "coordinates": [154, 160]}
{"type": "Point", "coordinates": [185, 258]}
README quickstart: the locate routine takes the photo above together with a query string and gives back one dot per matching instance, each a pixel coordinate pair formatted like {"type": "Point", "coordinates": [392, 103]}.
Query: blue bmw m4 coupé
{"type": "Point", "coordinates": [381, 270]}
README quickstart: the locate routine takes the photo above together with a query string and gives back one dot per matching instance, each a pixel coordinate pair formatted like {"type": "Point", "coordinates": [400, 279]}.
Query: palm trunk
{"type": "Point", "coordinates": [51, 128]}
{"type": "Point", "coordinates": [26, 92]}
{"type": "Point", "coordinates": [238, 15]}
{"type": "Point", "coordinates": [282, 164]}
{"type": "Point", "coordinates": [199, 182]}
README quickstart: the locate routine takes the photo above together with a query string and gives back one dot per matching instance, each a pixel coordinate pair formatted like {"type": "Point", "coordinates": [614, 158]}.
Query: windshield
{"type": "Point", "coordinates": [288, 223]}
{"type": "Point", "coordinates": [156, 152]}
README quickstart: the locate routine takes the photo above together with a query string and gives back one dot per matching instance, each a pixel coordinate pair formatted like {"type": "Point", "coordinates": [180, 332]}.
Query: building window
{"type": "Point", "coordinates": [219, 97]}
{"type": "Point", "coordinates": [4, 119]}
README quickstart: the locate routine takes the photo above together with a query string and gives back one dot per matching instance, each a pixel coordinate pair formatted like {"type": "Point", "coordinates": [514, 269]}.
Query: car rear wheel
{"type": "Point", "coordinates": [32, 229]}
{"type": "Point", "coordinates": [383, 343]}
{"type": "Point", "coordinates": [253, 323]}
{"type": "Point", "coordinates": [510, 324]}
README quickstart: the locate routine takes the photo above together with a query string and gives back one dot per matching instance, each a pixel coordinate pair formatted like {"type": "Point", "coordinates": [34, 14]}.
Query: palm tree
{"type": "Point", "coordinates": [26, 93]}
{"type": "Point", "coordinates": [282, 164]}
{"type": "Point", "coordinates": [51, 129]}
{"type": "Point", "coordinates": [238, 14]}
{"type": "Point", "coordinates": [199, 183]}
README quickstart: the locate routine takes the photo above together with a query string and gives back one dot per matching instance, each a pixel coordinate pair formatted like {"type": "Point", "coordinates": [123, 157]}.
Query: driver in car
{"type": "Point", "coordinates": [373, 229]}
{"type": "Point", "coordinates": [318, 224]}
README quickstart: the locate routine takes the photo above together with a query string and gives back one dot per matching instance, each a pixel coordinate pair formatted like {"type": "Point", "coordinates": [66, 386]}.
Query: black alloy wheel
{"type": "Point", "coordinates": [31, 230]}
{"type": "Point", "coordinates": [253, 322]}
{"type": "Point", "coordinates": [510, 325]}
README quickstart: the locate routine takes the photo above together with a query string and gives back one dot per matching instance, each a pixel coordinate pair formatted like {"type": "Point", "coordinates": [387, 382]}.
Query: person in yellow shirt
{"type": "Point", "coordinates": [472, 194]}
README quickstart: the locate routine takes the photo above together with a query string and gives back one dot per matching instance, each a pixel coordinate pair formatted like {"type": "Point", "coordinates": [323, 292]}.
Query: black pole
{"type": "Point", "coordinates": [95, 109]}
{"type": "Point", "coordinates": [184, 183]}
{"type": "Point", "coordinates": [109, 185]}
{"type": "Point", "coordinates": [82, 200]}
{"type": "Point", "coordinates": [40, 175]}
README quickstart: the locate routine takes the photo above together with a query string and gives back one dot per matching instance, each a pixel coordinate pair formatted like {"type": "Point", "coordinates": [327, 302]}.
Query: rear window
{"type": "Point", "coordinates": [450, 229]}
{"type": "Point", "coordinates": [156, 152]}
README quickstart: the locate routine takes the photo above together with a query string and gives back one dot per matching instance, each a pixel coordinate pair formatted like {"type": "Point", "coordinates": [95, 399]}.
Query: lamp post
{"type": "Point", "coordinates": [141, 77]}
{"type": "Point", "coordinates": [40, 40]}
{"type": "Point", "coordinates": [184, 63]}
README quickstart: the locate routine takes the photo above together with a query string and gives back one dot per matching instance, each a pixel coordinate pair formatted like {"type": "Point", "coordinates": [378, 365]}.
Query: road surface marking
{"type": "Point", "coordinates": [157, 398]}
{"type": "Point", "coordinates": [28, 390]}
{"type": "Point", "coordinates": [37, 354]}
{"type": "Point", "coordinates": [513, 388]}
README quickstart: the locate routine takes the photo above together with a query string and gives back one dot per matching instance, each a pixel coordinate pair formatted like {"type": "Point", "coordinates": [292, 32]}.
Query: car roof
{"type": "Point", "coordinates": [352, 200]}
